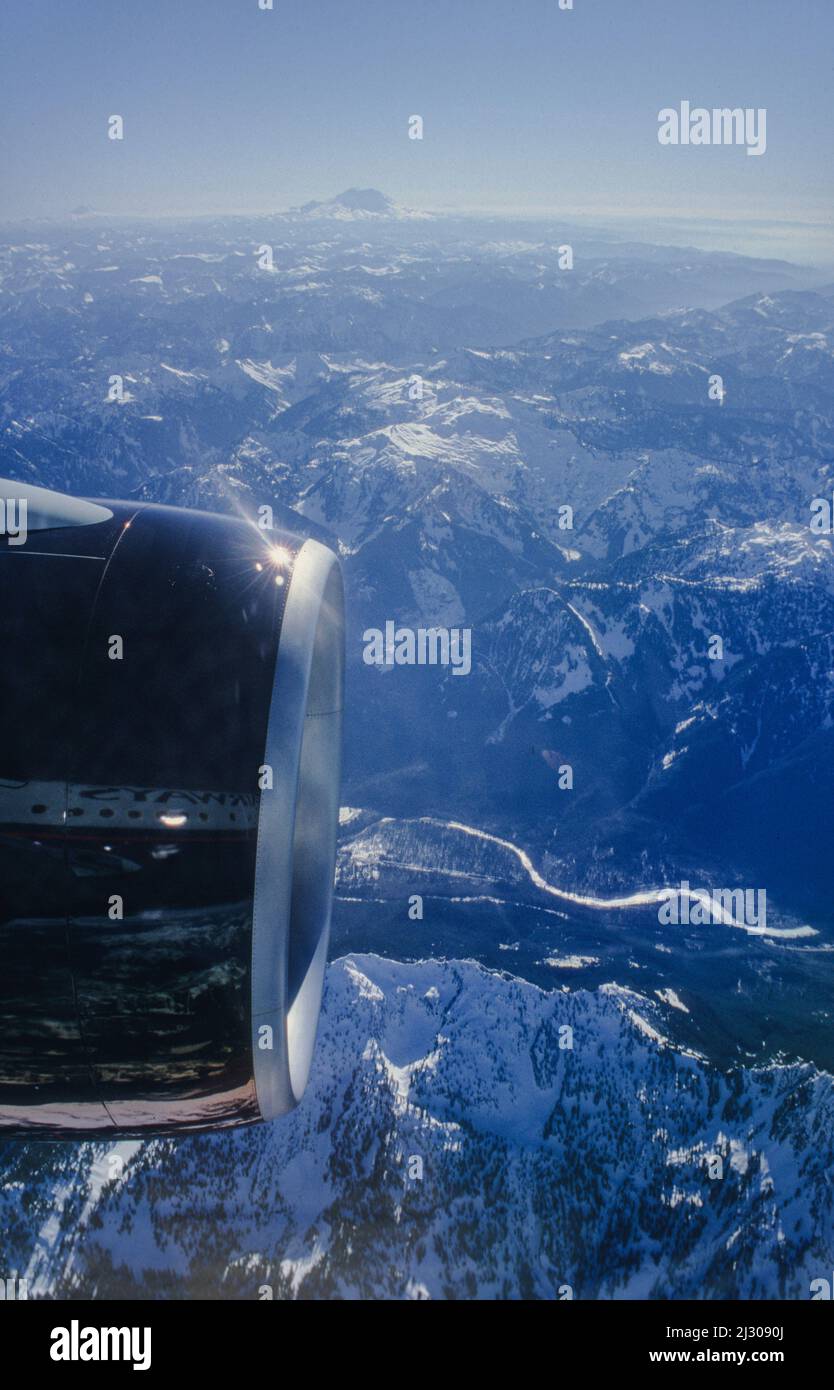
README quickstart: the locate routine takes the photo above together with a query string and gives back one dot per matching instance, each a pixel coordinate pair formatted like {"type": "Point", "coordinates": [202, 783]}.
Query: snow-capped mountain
{"type": "Point", "coordinates": [358, 204]}
{"type": "Point", "coordinates": [465, 1135]}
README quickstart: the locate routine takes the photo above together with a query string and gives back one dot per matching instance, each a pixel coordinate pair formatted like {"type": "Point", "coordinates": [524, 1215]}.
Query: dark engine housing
{"type": "Point", "coordinates": [170, 731]}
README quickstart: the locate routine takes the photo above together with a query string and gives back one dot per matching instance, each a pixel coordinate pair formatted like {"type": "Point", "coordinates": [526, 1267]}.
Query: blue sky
{"type": "Point", "coordinates": [526, 107]}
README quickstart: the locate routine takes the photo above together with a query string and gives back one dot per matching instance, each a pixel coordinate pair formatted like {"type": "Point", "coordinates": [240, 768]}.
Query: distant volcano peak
{"type": "Point", "coordinates": [364, 200]}
{"type": "Point", "coordinates": [357, 203]}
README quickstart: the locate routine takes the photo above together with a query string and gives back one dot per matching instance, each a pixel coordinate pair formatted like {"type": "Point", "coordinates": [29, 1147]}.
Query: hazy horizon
{"type": "Point", "coordinates": [802, 243]}
{"type": "Point", "coordinates": [529, 113]}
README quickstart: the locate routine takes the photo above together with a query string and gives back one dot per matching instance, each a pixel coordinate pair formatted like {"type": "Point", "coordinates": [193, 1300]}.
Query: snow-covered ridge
{"type": "Point", "coordinates": [465, 1134]}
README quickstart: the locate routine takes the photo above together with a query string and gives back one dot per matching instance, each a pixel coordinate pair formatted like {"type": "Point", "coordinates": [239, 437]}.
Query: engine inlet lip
{"type": "Point", "coordinates": [297, 828]}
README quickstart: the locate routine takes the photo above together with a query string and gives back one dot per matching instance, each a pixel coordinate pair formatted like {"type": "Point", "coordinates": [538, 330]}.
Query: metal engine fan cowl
{"type": "Point", "coordinates": [170, 733]}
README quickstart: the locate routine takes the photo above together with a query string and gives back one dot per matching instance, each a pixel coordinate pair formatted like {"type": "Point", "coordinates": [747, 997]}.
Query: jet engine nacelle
{"type": "Point", "coordinates": [170, 732]}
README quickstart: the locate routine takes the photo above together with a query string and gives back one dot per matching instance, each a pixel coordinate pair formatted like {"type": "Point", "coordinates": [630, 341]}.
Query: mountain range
{"type": "Point", "coordinates": [608, 474]}
{"type": "Point", "coordinates": [466, 1135]}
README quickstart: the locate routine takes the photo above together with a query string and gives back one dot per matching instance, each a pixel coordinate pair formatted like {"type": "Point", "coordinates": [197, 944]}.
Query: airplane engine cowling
{"type": "Point", "coordinates": [170, 733]}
